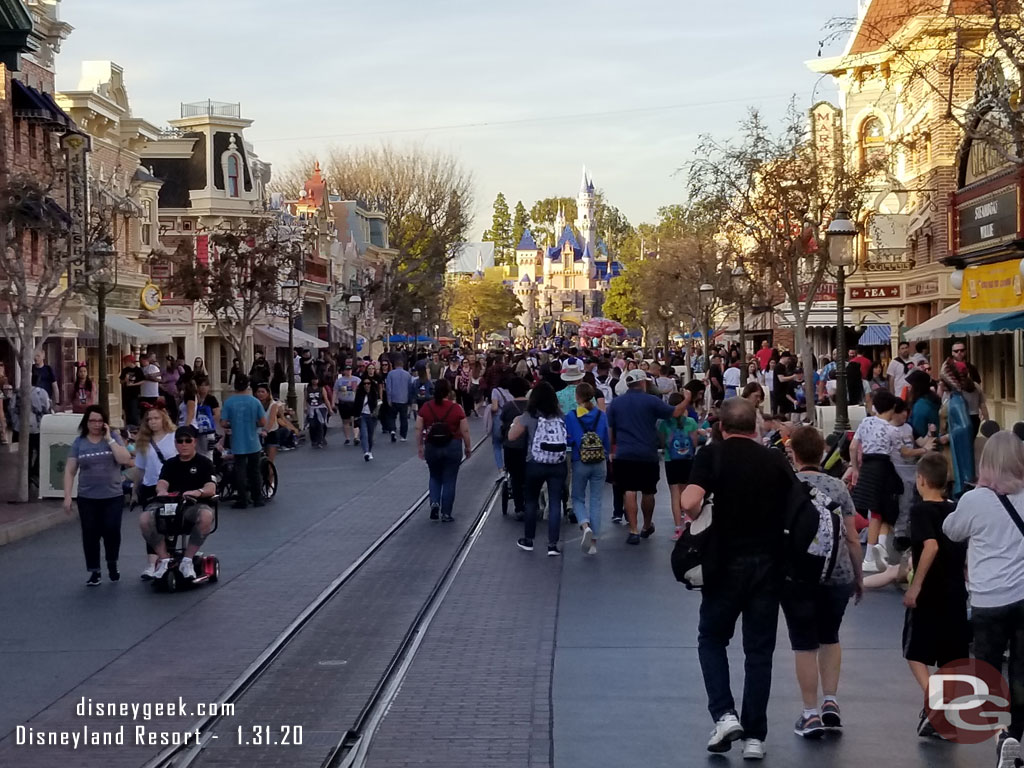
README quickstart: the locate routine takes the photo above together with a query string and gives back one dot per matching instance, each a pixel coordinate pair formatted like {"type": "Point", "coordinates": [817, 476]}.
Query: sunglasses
{"type": "Point", "coordinates": [184, 440]}
{"type": "Point", "coordinates": [959, 351]}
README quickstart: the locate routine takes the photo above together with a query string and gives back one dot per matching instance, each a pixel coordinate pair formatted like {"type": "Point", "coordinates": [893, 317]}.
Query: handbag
{"type": "Point", "coordinates": [692, 546]}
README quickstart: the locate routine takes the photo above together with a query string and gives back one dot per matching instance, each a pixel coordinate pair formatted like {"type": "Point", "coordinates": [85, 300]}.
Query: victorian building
{"type": "Point", "coordinates": [890, 117]}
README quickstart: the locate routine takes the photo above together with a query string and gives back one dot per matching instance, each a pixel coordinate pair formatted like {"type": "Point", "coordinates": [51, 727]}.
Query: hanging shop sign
{"type": "Point", "coordinates": [870, 292]}
{"type": "Point", "coordinates": [988, 220]}
{"type": "Point", "coordinates": [993, 287]}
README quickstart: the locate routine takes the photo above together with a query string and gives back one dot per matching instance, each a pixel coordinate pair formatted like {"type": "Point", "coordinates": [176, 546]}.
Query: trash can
{"type": "Point", "coordinates": [300, 402]}
{"type": "Point", "coordinates": [57, 431]}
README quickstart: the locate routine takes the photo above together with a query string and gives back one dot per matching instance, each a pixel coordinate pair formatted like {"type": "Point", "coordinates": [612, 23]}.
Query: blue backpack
{"type": "Point", "coordinates": [679, 445]}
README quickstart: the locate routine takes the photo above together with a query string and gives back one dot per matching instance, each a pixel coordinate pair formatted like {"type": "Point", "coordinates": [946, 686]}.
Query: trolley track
{"type": "Point", "coordinates": [355, 742]}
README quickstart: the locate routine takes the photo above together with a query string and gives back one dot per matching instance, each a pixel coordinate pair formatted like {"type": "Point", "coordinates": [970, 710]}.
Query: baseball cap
{"type": "Point", "coordinates": [634, 376]}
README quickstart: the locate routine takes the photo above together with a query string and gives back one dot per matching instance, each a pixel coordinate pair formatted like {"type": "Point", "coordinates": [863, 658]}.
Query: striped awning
{"type": "Point", "coordinates": [876, 336]}
{"type": "Point", "coordinates": [121, 330]}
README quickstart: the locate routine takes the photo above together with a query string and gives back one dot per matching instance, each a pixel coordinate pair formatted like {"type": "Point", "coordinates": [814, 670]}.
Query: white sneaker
{"type": "Point", "coordinates": [1009, 753]}
{"type": "Point", "coordinates": [369, 457]}
{"type": "Point", "coordinates": [161, 568]}
{"type": "Point", "coordinates": [869, 565]}
{"type": "Point", "coordinates": [147, 575]}
{"type": "Point", "coordinates": [588, 540]}
{"type": "Point", "coordinates": [881, 557]}
{"type": "Point", "coordinates": [753, 749]}
{"type": "Point", "coordinates": [403, 439]}
{"type": "Point", "coordinates": [187, 568]}
{"type": "Point", "coordinates": [727, 730]}
{"type": "Point", "coordinates": [592, 550]}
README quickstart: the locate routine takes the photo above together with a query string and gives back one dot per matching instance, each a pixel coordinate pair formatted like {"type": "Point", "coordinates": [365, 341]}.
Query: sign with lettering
{"type": "Point", "coordinates": [861, 292]}
{"type": "Point", "coordinates": [76, 148]}
{"type": "Point", "coordinates": [993, 287]}
{"type": "Point", "coordinates": [924, 288]}
{"type": "Point", "coordinates": [988, 153]}
{"type": "Point", "coordinates": [987, 220]}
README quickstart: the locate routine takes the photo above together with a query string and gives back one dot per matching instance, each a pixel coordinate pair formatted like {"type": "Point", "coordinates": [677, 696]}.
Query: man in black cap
{"type": "Point", "coordinates": [188, 474]}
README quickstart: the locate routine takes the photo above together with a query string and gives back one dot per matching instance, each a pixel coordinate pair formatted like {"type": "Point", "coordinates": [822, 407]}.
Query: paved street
{"type": "Point", "coordinates": [530, 661]}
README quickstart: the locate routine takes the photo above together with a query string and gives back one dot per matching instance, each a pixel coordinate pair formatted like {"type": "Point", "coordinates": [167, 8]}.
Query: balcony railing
{"type": "Point", "coordinates": [211, 108]}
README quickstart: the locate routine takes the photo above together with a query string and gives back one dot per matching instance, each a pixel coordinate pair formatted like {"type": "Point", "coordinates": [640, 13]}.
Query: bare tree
{"type": "Point", "coordinates": [38, 274]}
{"type": "Point", "coordinates": [290, 179]}
{"type": "Point", "coordinates": [427, 201]}
{"type": "Point", "coordinates": [240, 280]}
{"type": "Point", "coordinates": [775, 193]}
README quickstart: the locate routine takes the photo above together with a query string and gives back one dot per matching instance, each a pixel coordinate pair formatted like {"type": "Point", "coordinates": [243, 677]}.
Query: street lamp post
{"type": "Point", "coordinates": [739, 284]}
{"type": "Point", "coordinates": [437, 334]}
{"type": "Point", "coordinates": [291, 401]}
{"type": "Point", "coordinates": [355, 303]}
{"type": "Point", "coordinates": [510, 325]}
{"type": "Point", "coordinates": [104, 282]}
{"type": "Point", "coordinates": [476, 332]}
{"type": "Point", "coordinates": [417, 315]}
{"type": "Point", "coordinates": [841, 233]}
{"type": "Point", "coordinates": [707, 295]}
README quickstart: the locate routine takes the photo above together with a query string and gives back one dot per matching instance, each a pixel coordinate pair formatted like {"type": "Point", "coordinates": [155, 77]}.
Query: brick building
{"type": "Point", "coordinates": [31, 124]}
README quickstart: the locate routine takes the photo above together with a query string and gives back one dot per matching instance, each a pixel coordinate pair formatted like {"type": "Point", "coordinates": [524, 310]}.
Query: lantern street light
{"type": "Point", "coordinates": [355, 304]}
{"type": "Point", "coordinates": [417, 315]}
{"type": "Point", "coordinates": [740, 280]}
{"type": "Point", "coordinates": [102, 257]}
{"type": "Point", "coordinates": [510, 325]}
{"type": "Point", "coordinates": [707, 295]}
{"type": "Point", "coordinates": [841, 233]}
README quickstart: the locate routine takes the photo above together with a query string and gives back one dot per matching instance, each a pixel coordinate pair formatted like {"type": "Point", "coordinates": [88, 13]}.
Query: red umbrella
{"type": "Point", "coordinates": [600, 327]}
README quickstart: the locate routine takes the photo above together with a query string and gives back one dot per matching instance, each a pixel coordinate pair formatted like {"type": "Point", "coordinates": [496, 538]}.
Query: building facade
{"type": "Point", "coordinates": [893, 118]}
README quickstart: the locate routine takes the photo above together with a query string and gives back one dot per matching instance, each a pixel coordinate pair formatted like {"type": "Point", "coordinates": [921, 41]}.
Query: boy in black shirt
{"type": "Point", "coordinates": [935, 631]}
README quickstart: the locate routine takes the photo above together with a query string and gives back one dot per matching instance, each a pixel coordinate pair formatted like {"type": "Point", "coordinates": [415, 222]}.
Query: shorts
{"type": "Point", "coordinates": [347, 410]}
{"type": "Point", "coordinates": [270, 438]}
{"type": "Point", "coordinates": [814, 612]}
{"type": "Point", "coordinates": [936, 636]}
{"type": "Point", "coordinates": [639, 476]}
{"type": "Point", "coordinates": [677, 472]}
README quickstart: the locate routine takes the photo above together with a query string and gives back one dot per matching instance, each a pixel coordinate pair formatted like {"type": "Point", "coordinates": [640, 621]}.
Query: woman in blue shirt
{"type": "Point", "coordinates": [589, 466]}
{"type": "Point", "coordinates": [924, 403]}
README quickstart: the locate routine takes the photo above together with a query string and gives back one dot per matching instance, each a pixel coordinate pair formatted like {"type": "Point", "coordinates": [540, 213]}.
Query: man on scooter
{"type": "Point", "coordinates": [188, 474]}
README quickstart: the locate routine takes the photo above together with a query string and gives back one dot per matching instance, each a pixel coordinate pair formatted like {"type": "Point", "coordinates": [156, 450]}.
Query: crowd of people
{"type": "Point", "coordinates": [925, 486]}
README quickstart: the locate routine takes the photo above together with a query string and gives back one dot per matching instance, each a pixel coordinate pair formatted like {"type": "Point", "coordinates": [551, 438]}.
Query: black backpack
{"type": "Point", "coordinates": [438, 432]}
{"type": "Point", "coordinates": [800, 528]}
{"type": "Point", "coordinates": [515, 445]}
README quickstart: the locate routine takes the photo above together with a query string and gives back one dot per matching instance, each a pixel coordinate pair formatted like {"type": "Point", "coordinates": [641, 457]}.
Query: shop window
{"type": "Point", "coordinates": [17, 137]}
{"type": "Point", "coordinates": [225, 366]}
{"type": "Point", "coordinates": [872, 142]}
{"type": "Point", "coordinates": [34, 245]}
{"type": "Point", "coordinates": [33, 150]}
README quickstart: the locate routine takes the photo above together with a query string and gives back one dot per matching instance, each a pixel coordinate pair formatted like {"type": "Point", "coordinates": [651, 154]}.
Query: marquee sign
{"type": "Point", "coordinates": [988, 220]}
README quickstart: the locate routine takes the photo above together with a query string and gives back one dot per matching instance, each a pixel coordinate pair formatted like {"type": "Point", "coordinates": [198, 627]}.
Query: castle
{"type": "Point", "coordinates": [562, 286]}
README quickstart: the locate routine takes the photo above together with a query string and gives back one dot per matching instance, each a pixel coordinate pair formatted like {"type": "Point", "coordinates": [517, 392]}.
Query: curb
{"type": "Point", "coordinates": [12, 532]}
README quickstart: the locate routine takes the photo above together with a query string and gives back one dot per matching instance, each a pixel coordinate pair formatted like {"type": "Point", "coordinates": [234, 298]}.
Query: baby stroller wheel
{"type": "Point", "coordinates": [171, 580]}
{"type": "Point", "coordinates": [505, 494]}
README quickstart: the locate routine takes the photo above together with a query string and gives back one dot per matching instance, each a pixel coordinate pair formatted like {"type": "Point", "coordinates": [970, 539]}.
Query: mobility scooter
{"type": "Point", "coordinates": [169, 517]}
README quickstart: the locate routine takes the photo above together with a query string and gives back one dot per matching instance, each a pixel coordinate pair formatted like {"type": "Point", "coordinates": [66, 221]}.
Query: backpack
{"type": "Point", "coordinates": [591, 445]}
{"type": "Point", "coordinates": [520, 443]}
{"type": "Point", "coordinates": [692, 546]}
{"type": "Point", "coordinates": [549, 441]}
{"type": "Point", "coordinates": [679, 445]}
{"type": "Point", "coordinates": [605, 388]}
{"type": "Point", "coordinates": [438, 432]}
{"type": "Point", "coordinates": [813, 534]}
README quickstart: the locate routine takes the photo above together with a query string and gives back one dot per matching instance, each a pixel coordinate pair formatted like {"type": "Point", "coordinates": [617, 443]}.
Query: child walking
{"type": "Point", "coordinates": [679, 441]}
{"type": "Point", "coordinates": [935, 630]}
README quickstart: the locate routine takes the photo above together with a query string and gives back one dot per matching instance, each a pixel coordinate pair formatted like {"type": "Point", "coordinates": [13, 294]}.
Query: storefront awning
{"type": "Point", "coordinates": [988, 323]}
{"type": "Point", "coordinates": [121, 330]}
{"type": "Point", "coordinates": [935, 327]}
{"type": "Point", "coordinates": [271, 336]}
{"type": "Point", "coordinates": [819, 317]}
{"type": "Point", "coordinates": [875, 336]}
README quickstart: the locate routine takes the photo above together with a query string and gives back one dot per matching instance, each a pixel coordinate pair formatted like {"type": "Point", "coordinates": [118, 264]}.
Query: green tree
{"type": "Point", "coordinates": [520, 223]}
{"type": "Point", "coordinates": [622, 301]}
{"type": "Point", "coordinates": [486, 298]}
{"type": "Point", "coordinates": [543, 214]}
{"type": "Point", "coordinates": [500, 232]}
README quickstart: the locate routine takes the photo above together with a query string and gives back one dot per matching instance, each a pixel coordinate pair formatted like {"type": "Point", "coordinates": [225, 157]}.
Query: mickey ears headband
{"type": "Point", "coordinates": [160, 403]}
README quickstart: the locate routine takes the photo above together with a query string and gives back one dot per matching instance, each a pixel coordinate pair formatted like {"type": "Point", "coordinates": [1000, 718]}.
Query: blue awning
{"type": "Point", "coordinates": [875, 336]}
{"type": "Point", "coordinates": [986, 323]}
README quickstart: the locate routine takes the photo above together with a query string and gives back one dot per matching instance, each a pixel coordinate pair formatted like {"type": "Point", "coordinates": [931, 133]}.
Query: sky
{"type": "Point", "coordinates": [523, 94]}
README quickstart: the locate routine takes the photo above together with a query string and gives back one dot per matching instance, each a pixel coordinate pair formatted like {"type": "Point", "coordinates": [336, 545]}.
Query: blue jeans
{"type": "Point", "coordinates": [367, 425]}
{"type": "Point", "coordinates": [592, 476]}
{"type": "Point", "coordinates": [496, 444]}
{"type": "Point", "coordinates": [536, 476]}
{"type": "Point", "coordinates": [749, 586]}
{"type": "Point", "coordinates": [443, 464]}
